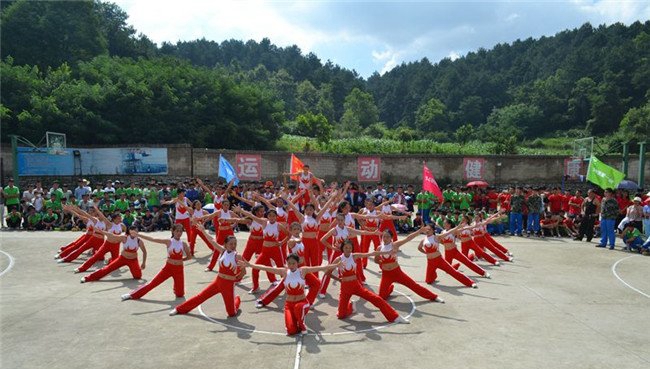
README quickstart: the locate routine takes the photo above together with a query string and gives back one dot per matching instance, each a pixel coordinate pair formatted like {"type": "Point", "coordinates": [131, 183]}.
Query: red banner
{"type": "Point", "coordinates": [368, 169]}
{"type": "Point", "coordinates": [473, 168]}
{"type": "Point", "coordinates": [296, 166]}
{"type": "Point", "coordinates": [429, 183]}
{"type": "Point", "coordinates": [249, 167]}
{"type": "Point", "coordinates": [573, 168]}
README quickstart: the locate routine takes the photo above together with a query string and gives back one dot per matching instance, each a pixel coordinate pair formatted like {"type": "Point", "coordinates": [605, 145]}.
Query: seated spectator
{"type": "Point", "coordinates": [128, 218]}
{"type": "Point", "coordinates": [548, 225]}
{"type": "Point", "coordinates": [569, 225]}
{"type": "Point", "coordinates": [631, 237]}
{"type": "Point", "coordinates": [417, 222]}
{"type": "Point", "coordinates": [50, 220]}
{"type": "Point", "coordinates": [67, 223]}
{"type": "Point", "coordinates": [33, 220]}
{"type": "Point", "coordinates": [145, 223]}
{"type": "Point", "coordinates": [14, 219]}
{"type": "Point", "coordinates": [162, 220]}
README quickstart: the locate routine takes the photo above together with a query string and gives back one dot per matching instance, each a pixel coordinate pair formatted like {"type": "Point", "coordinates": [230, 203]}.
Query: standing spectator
{"type": "Point", "coordinates": [590, 211]}
{"type": "Point", "coordinates": [66, 192]}
{"type": "Point", "coordinates": [2, 208]}
{"type": "Point", "coordinates": [109, 188]}
{"type": "Point", "coordinates": [492, 199]}
{"type": "Point", "coordinates": [399, 198]}
{"type": "Point", "coordinates": [424, 201]}
{"type": "Point", "coordinates": [380, 193]}
{"type": "Point", "coordinates": [38, 201]}
{"type": "Point", "coordinates": [608, 213]}
{"type": "Point", "coordinates": [646, 218]}
{"type": "Point", "coordinates": [81, 189]}
{"type": "Point", "coordinates": [28, 197]}
{"type": "Point", "coordinates": [634, 214]}
{"type": "Point", "coordinates": [555, 201]}
{"type": "Point", "coordinates": [56, 194]}
{"type": "Point", "coordinates": [516, 212]}
{"type": "Point", "coordinates": [575, 203]}
{"type": "Point", "coordinates": [535, 207]}
{"type": "Point", "coordinates": [192, 192]}
{"type": "Point", "coordinates": [11, 195]}
{"type": "Point", "coordinates": [410, 198]}
{"type": "Point", "coordinates": [86, 203]}
{"type": "Point", "coordinates": [151, 195]}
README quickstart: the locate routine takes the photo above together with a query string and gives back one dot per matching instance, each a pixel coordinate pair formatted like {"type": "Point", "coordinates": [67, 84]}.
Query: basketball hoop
{"type": "Point", "coordinates": [56, 143]}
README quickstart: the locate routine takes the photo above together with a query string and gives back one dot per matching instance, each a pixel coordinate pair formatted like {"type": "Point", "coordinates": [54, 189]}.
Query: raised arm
{"type": "Point", "coordinates": [215, 245]}
{"type": "Point", "coordinates": [279, 271]}
{"type": "Point", "coordinates": [306, 270]}
{"type": "Point", "coordinates": [261, 221]}
{"type": "Point", "coordinates": [162, 241]}
{"type": "Point", "coordinates": [398, 244]}
{"type": "Point", "coordinates": [101, 216]}
{"type": "Point", "coordinates": [301, 218]}
{"type": "Point", "coordinates": [247, 201]}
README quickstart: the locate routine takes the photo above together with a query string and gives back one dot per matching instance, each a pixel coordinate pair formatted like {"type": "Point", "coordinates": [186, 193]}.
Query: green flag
{"type": "Point", "coordinates": [603, 175]}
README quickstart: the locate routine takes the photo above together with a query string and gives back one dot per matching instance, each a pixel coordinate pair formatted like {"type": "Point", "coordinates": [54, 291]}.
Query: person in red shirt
{"type": "Point", "coordinates": [492, 199]}
{"type": "Point", "coordinates": [575, 203]}
{"type": "Point", "coordinates": [555, 201]}
{"type": "Point", "coordinates": [566, 197]}
{"type": "Point", "coordinates": [504, 199]}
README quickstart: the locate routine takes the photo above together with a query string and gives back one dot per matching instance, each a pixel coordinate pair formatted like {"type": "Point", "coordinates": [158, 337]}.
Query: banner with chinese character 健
{"type": "Point", "coordinates": [368, 169]}
{"type": "Point", "coordinates": [573, 168]}
{"type": "Point", "coordinates": [473, 169]}
{"type": "Point", "coordinates": [249, 167]}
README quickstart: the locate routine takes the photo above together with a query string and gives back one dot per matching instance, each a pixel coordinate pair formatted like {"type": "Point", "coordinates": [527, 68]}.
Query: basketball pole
{"type": "Point", "coordinates": [14, 153]}
{"type": "Point", "coordinates": [626, 154]}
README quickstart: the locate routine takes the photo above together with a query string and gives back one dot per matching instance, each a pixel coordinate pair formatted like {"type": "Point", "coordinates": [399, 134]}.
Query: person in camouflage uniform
{"type": "Point", "coordinates": [608, 212]}
{"type": "Point", "coordinates": [516, 210]}
{"type": "Point", "coordinates": [534, 204]}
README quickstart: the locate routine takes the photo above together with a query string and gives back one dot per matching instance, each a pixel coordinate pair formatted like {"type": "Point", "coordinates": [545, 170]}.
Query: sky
{"type": "Point", "coordinates": [374, 36]}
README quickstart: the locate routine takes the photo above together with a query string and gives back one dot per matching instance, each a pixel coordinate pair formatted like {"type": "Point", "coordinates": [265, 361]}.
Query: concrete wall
{"type": "Point", "coordinates": [185, 161]}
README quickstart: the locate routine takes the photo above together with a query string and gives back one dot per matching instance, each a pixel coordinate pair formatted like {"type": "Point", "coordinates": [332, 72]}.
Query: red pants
{"type": "Point", "coordinates": [439, 263]}
{"type": "Point", "coordinates": [169, 270]}
{"type": "Point", "coordinates": [452, 254]}
{"type": "Point", "coordinates": [186, 226]}
{"type": "Point", "coordinates": [222, 234]}
{"type": "Point", "coordinates": [398, 276]}
{"type": "Point", "coordinates": [192, 239]}
{"type": "Point", "coordinates": [253, 246]}
{"type": "Point", "coordinates": [365, 246]}
{"type": "Point", "coordinates": [357, 248]}
{"type": "Point", "coordinates": [76, 243]}
{"type": "Point", "coordinates": [121, 261]}
{"type": "Point", "coordinates": [492, 246]}
{"type": "Point", "coordinates": [388, 224]}
{"type": "Point", "coordinates": [219, 285]}
{"type": "Point", "coordinates": [498, 245]}
{"type": "Point", "coordinates": [113, 248]}
{"type": "Point", "coordinates": [294, 316]}
{"type": "Point", "coordinates": [465, 246]}
{"type": "Point", "coordinates": [272, 293]}
{"type": "Point", "coordinates": [350, 288]}
{"type": "Point", "coordinates": [326, 279]}
{"type": "Point", "coordinates": [313, 253]}
{"type": "Point", "coordinates": [267, 255]}
{"type": "Point", "coordinates": [73, 253]}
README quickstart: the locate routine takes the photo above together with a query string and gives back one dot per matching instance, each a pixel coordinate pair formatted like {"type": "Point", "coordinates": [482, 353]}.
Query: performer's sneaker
{"type": "Point", "coordinates": [253, 291]}
{"type": "Point", "coordinates": [83, 280]}
{"type": "Point", "coordinates": [474, 285]}
{"type": "Point", "coordinates": [76, 271]}
{"type": "Point", "coordinates": [487, 275]}
{"type": "Point", "coordinates": [401, 320]}
{"type": "Point", "coordinates": [60, 261]}
{"type": "Point", "coordinates": [438, 299]}
{"type": "Point", "coordinates": [259, 305]}
{"type": "Point", "coordinates": [321, 295]}
{"type": "Point", "coordinates": [354, 306]}
{"type": "Point", "coordinates": [275, 283]}
{"type": "Point", "coordinates": [173, 312]}
{"type": "Point", "coordinates": [126, 296]}
{"type": "Point", "coordinates": [207, 270]}
{"type": "Point", "coordinates": [497, 263]}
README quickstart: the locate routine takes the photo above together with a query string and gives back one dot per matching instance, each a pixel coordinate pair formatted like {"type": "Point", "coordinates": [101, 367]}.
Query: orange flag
{"type": "Point", "coordinates": [296, 166]}
{"type": "Point", "coordinates": [429, 183]}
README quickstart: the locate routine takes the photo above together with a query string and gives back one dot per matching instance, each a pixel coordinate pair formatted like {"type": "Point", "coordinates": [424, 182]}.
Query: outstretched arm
{"type": "Point", "coordinates": [408, 238]}
{"type": "Point", "coordinates": [110, 237]}
{"type": "Point", "coordinates": [214, 243]}
{"type": "Point", "coordinates": [306, 270]}
{"type": "Point", "coordinates": [279, 271]}
{"type": "Point", "coordinates": [155, 240]}
{"type": "Point", "coordinates": [259, 220]}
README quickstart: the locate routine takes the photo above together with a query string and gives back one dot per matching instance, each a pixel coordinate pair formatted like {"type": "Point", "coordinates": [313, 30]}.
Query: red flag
{"type": "Point", "coordinates": [429, 183]}
{"type": "Point", "coordinates": [296, 166]}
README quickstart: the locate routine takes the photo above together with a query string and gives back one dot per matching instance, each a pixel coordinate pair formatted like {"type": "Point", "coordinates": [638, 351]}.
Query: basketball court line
{"type": "Point", "coordinates": [623, 281]}
{"type": "Point", "coordinates": [11, 263]}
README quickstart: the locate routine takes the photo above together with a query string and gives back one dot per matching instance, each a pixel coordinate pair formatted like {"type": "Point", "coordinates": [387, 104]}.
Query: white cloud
{"type": "Point", "coordinates": [453, 55]}
{"type": "Point", "coordinates": [512, 17]}
{"type": "Point", "coordinates": [610, 11]}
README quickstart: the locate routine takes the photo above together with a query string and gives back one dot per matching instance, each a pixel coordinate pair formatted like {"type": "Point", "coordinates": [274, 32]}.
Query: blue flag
{"type": "Point", "coordinates": [226, 170]}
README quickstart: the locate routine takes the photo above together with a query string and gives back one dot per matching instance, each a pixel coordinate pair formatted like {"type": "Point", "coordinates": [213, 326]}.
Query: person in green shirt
{"type": "Point", "coordinates": [14, 219]}
{"type": "Point", "coordinates": [448, 196]}
{"type": "Point", "coordinates": [53, 205]}
{"type": "Point", "coordinates": [119, 189]}
{"type": "Point", "coordinates": [465, 199]}
{"type": "Point", "coordinates": [33, 220]}
{"type": "Point", "coordinates": [122, 203]}
{"type": "Point", "coordinates": [11, 195]}
{"type": "Point", "coordinates": [151, 195]}
{"type": "Point", "coordinates": [56, 194]}
{"type": "Point", "coordinates": [50, 220]}
{"type": "Point", "coordinates": [632, 237]}
{"type": "Point", "coordinates": [424, 201]}
{"type": "Point", "coordinates": [128, 218]}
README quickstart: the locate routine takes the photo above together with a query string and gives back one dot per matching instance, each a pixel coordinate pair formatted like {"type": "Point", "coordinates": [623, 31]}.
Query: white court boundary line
{"type": "Point", "coordinates": [621, 279]}
{"type": "Point", "coordinates": [372, 329]}
{"type": "Point", "coordinates": [12, 261]}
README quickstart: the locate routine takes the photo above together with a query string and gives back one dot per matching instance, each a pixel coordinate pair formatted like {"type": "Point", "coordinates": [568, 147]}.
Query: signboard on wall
{"type": "Point", "coordinates": [124, 161]}
{"type": "Point", "coordinates": [473, 169]}
{"type": "Point", "coordinates": [248, 167]}
{"type": "Point", "coordinates": [573, 168]}
{"type": "Point", "coordinates": [368, 168]}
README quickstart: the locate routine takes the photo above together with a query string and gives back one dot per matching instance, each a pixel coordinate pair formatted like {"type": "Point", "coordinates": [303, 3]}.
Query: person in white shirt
{"type": "Point", "coordinates": [109, 187]}
{"type": "Point", "coordinates": [38, 201]}
{"type": "Point", "coordinates": [28, 195]}
{"type": "Point", "coordinates": [646, 218]}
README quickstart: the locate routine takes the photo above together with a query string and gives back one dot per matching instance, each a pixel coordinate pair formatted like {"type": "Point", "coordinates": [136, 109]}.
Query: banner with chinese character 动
{"type": "Point", "coordinates": [368, 169]}
{"type": "Point", "coordinates": [473, 169]}
{"type": "Point", "coordinates": [249, 167]}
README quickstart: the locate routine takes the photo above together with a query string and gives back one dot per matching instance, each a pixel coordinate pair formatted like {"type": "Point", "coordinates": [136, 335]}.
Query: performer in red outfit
{"type": "Point", "coordinates": [116, 227]}
{"type": "Point", "coordinates": [468, 243]}
{"type": "Point", "coordinates": [67, 249]}
{"type": "Point", "coordinates": [196, 215]}
{"type": "Point", "coordinates": [183, 211]}
{"type": "Point", "coordinates": [271, 244]}
{"type": "Point", "coordinates": [95, 240]}
{"type": "Point", "coordinates": [483, 238]}
{"type": "Point", "coordinates": [338, 234]}
{"type": "Point", "coordinates": [229, 274]}
{"type": "Point", "coordinates": [351, 286]}
{"type": "Point", "coordinates": [391, 271]}
{"type": "Point", "coordinates": [306, 180]}
{"type": "Point", "coordinates": [177, 253]}
{"type": "Point", "coordinates": [451, 252]}
{"type": "Point", "coordinates": [371, 224]}
{"type": "Point", "coordinates": [296, 304]}
{"type": "Point", "coordinates": [129, 257]}
{"type": "Point", "coordinates": [224, 222]}
{"type": "Point", "coordinates": [431, 248]}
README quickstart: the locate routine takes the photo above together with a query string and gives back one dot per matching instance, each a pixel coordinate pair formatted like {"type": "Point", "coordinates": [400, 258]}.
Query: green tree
{"type": "Point", "coordinates": [513, 120]}
{"type": "Point", "coordinates": [307, 98]}
{"type": "Point", "coordinates": [314, 125]}
{"type": "Point", "coordinates": [635, 125]}
{"type": "Point", "coordinates": [464, 133]}
{"type": "Point", "coordinates": [360, 111]}
{"type": "Point", "coordinates": [431, 116]}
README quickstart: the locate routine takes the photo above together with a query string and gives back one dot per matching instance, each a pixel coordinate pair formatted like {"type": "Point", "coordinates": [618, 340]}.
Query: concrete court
{"type": "Point", "coordinates": [559, 305]}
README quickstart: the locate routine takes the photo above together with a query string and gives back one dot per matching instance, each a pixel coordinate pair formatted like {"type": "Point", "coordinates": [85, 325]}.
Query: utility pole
{"type": "Point", "coordinates": [642, 164]}
{"type": "Point", "coordinates": [626, 154]}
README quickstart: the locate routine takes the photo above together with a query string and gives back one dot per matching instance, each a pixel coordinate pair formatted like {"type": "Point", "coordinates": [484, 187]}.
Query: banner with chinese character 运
{"type": "Point", "coordinates": [368, 169]}
{"type": "Point", "coordinates": [473, 169]}
{"type": "Point", "coordinates": [249, 167]}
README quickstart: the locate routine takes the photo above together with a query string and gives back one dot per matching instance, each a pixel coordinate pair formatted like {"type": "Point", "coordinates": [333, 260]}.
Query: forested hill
{"type": "Point", "coordinates": [80, 68]}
